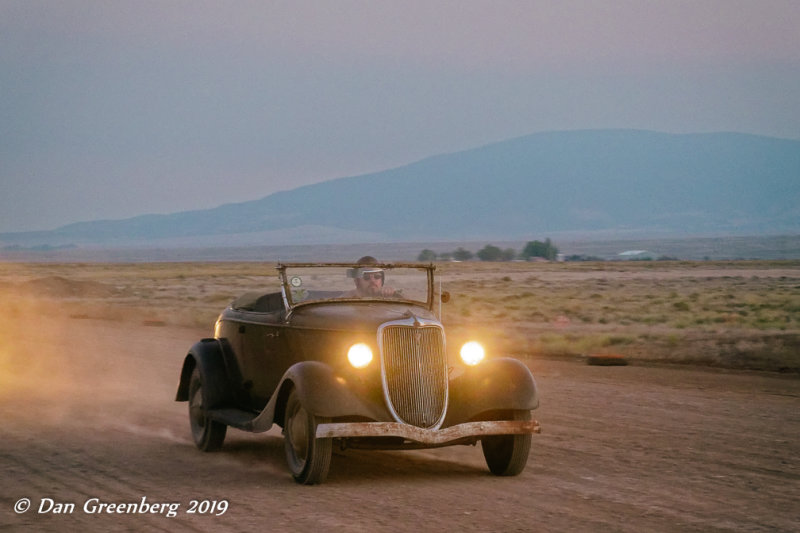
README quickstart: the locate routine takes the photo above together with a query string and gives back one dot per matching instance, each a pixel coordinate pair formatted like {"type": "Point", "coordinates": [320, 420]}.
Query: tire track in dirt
{"type": "Point", "coordinates": [65, 473]}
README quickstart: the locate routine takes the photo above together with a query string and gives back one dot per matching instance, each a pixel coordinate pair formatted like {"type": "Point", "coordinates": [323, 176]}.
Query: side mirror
{"type": "Point", "coordinates": [445, 297]}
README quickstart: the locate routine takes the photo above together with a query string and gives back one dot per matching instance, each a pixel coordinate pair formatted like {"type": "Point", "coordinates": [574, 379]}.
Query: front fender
{"type": "Point", "coordinates": [322, 393]}
{"type": "Point", "coordinates": [500, 384]}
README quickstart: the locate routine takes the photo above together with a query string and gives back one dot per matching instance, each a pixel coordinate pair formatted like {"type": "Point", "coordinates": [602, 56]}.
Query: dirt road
{"type": "Point", "coordinates": [89, 419]}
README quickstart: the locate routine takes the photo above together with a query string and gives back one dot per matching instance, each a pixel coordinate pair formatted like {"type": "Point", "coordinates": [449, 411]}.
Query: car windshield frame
{"type": "Point", "coordinates": [286, 278]}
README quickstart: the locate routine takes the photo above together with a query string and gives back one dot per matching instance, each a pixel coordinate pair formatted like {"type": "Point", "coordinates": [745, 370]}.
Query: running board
{"type": "Point", "coordinates": [237, 418]}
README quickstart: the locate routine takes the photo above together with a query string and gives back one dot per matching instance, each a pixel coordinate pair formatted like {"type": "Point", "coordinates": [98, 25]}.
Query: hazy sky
{"type": "Point", "coordinates": [115, 109]}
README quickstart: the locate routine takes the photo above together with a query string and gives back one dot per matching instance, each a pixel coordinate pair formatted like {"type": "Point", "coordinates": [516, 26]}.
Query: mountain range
{"type": "Point", "coordinates": [591, 182]}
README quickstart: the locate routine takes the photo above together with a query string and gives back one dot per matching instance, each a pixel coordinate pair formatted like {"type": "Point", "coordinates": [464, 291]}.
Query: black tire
{"type": "Point", "coordinates": [208, 435]}
{"type": "Point", "coordinates": [308, 457]}
{"type": "Point", "coordinates": [507, 455]}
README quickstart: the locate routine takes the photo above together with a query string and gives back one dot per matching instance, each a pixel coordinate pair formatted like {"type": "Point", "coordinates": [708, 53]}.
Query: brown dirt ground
{"type": "Point", "coordinates": [88, 412]}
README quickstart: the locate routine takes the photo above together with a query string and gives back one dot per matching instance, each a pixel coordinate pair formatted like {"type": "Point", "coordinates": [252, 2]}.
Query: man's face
{"type": "Point", "coordinates": [370, 283]}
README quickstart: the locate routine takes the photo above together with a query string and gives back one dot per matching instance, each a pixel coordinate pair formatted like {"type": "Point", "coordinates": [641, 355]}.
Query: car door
{"type": "Point", "coordinates": [262, 352]}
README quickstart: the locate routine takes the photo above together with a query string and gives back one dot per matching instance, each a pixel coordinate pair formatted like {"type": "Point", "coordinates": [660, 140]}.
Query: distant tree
{"type": "Point", "coordinates": [426, 256]}
{"type": "Point", "coordinates": [581, 257]}
{"type": "Point", "coordinates": [509, 254]}
{"type": "Point", "coordinates": [490, 253]}
{"type": "Point", "coordinates": [462, 255]}
{"type": "Point", "coordinates": [544, 249]}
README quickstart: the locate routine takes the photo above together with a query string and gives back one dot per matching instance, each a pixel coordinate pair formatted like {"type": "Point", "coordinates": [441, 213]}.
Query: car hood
{"type": "Point", "coordinates": [355, 316]}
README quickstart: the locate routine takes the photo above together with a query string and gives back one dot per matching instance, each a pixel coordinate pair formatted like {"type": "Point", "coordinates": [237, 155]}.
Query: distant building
{"type": "Point", "coordinates": [636, 254]}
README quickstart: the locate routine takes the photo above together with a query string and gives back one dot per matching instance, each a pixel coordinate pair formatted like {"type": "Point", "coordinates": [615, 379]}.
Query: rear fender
{"type": "Point", "coordinates": [500, 384]}
{"type": "Point", "coordinates": [218, 370]}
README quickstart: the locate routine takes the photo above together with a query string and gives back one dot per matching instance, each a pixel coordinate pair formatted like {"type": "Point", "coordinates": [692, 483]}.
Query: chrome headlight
{"type": "Point", "coordinates": [359, 355]}
{"type": "Point", "coordinates": [472, 353]}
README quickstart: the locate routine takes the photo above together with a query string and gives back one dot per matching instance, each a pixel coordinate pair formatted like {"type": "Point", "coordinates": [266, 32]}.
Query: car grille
{"type": "Point", "coordinates": [415, 373]}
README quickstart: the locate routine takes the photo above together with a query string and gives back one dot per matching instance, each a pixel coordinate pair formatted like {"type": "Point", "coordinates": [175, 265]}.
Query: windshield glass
{"type": "Point", "coordinates": [315, 283]}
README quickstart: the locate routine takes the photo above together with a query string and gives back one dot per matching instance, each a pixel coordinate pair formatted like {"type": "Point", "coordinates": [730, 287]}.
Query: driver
{"type": "Point", "coordinates": [369, 279]}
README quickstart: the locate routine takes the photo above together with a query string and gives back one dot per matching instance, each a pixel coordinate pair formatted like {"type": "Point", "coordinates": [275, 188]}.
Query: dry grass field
{"type": "Point", "coordinates": [740, 314]}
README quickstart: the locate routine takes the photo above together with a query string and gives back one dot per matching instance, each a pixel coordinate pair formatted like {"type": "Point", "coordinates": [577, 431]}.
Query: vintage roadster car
{"type": "Point", "coordinates": [337, 362]}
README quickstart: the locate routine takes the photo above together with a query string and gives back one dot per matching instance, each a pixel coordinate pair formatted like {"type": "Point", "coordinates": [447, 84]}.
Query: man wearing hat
{"type": "Point", "coordinates": [369, 279]}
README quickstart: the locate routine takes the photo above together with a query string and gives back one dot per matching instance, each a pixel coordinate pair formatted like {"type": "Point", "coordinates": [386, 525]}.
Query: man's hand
{"type": "Point", "coordinates": [388, 292]}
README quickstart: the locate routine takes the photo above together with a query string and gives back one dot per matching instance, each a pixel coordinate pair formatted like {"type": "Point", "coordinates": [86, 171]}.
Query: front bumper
{"type": "Point", "coordinates": [433, 437]}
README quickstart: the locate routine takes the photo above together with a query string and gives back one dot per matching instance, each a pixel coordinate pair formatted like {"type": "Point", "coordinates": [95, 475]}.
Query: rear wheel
{"type": "Point", "coordinates": [308, 457]}
{"type": "Point", "coordinates": [507, 455]}
{"type": "Point", "coordinates": [208, 435]}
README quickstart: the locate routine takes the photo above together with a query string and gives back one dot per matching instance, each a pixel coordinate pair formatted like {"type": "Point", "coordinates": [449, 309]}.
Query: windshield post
{"type": "Point", "coordinates": [431, 286]}
{"type": "Point", "coordinates": [287, 304]}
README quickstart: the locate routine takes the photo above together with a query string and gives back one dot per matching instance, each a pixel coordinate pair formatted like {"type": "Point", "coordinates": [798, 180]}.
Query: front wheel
{"type": "Point", "coordinates": [507, 455]}
{"type": "Point", "coordinates": [308, 457]}
{"type": "Point", "coordinates": [208, 435]}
